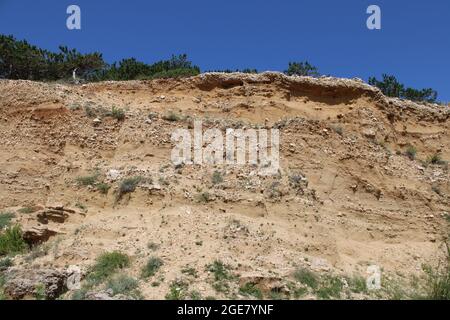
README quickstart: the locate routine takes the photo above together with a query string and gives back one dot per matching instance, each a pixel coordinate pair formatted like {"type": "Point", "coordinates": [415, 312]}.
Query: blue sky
{"type": "Point", "coordinates": [413, 44]}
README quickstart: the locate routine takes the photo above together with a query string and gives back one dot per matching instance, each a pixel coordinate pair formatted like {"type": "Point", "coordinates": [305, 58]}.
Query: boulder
{"type": "Point", "coordinates": [24, 283]}
{"type": "Point", "coordinates": [37, 234]}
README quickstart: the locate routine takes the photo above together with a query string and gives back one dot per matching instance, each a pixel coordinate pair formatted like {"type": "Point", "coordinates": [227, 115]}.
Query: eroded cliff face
{"type": "Point", "coordinates": [363, 181]}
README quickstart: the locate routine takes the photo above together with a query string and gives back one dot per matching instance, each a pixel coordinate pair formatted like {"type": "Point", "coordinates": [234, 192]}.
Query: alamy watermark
{"type": "Point", "coordinates": [374, 20]}
{"type": "Point", "coordinates": [373, 280]}
{"type": "Point", "coordinates": [73, 22]}
{"type": "Point", "coordinates": [236, 147]}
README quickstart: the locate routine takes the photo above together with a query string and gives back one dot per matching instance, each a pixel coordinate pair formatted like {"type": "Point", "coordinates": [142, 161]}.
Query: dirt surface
{"type": "Point", "coordinates": [361, 199]}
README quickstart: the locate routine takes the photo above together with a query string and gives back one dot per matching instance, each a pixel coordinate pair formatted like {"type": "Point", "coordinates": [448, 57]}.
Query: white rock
{"type": "Point", "coordinates": [113, 174]}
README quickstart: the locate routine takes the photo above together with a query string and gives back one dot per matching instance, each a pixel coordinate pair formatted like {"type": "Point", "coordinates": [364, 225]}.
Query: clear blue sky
{"type": "Point", "coordinates": [414, 43]}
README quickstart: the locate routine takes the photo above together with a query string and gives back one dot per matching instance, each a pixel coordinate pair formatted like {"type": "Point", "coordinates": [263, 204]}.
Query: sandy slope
{"type": "Point", "coordinates": [365, 201]}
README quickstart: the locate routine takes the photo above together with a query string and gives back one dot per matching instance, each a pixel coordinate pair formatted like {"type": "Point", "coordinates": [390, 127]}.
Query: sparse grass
{"type": "Point", "coordinates": [89, 111]}
{"type": "Point", "coordinates": [39, 292]}
{"type": "Point", "coordinates": [436, 159]}
{"type": "Point", "coordinates": [306, 277]}
{"type": "Point", "coordinates": [2, 284]}
{"type": "Point", "coordinates": [26, 210]}
{"type": "Point", "coordinates": [190, 271]}
{"type": "Point", "coordinates": [221, 286]}
{"type": "Point", "coordinates": [330, 287]}
{"type": "Point", "coordinates": [411, 152]}
{"type": "Point", "coordinates": [276, 295]}
{"type": "Point", "coordinates": [107, 264]}
{"type": "Point", "coordinates": [195, 295]}
{"type": "Point", "coordinates": [103, 187]}
{"type": "Point", "coordinates": [447, 217]}
{"type": "Point", "coordinates": [128, 185]}
{"type": "Point", "coordinates": [357, 284]}
{"type": "Point", "coordinates": [37, 252]}
{"type": "Point", "coordinates": [177, 290]}
{"type": "Point", "coordinates": [80, 294]}
{"type": "Point", "coordinates": [81, 206]}
{"type": "Point", "coordinates": [89, 180]}
{"type": "Point", "coordinates": [394, 290]}
{"type": "Point", "coordinates": [438, 280]}
{"type": "Point", "coordinates": [172, 116]}
{"type": "Point", "coordinates": [152, 266]}
{"type": "Point", "coordinates": [221, 275]}
{"type": "Point", "coordinates": [5, 219]}
{"type": "Point", "coordinates": [5, 263]}
{"type": "Point", "coordinates": [124, 284]}
{"type": "Point", "coordinates": [11, 241]}
{"type": "Point", "coordinates": [299, 292]}
{"type": "Point", "coordinates": [250, 289]}
{"type": "Point", "coordinates": [220, 271]}
{"type": "Point", "coordinates": [217, 178]}
{"type": "Point", "coordinates": [203, 197]}
{"type": "Point", "coordinates": [117, 113]}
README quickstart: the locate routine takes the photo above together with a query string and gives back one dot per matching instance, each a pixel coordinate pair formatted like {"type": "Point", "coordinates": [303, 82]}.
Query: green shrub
{"type": "Point", "coordinates": [5, 219]}
{"type": "Point", "coordinates": [195, 295]}
{"type": "Point", "coordinates": [250, 289]}
{"type": "Point", "coordinates": [219, 270]}
{"type": "Point", "coordinates": [80, 294]}
{"type": "Point", "coordinates": [39, 292]}
{"type": "Point", "coordinates": [11, 241]}
{"type": "Point", "coordinates": [438, 280]}
{"type": "Point", "coordinates": [26, 210]}
{"type": "Point", "coordinates": [128, 185]}
{"type": "Point", "coordinates": [175, 73]}
{"type": "Point", "coordinates": [436, 159]}
{"type": "Point", "coordinates": [117, 113]}
{"type": "Point", "coordinates": [302, 69]}
{"type": "Point", "coordinates": [152, 266]}
{"type": "Point", "coordinates": [2, 290]}
{"type": "Point", "coordinates": [177, 290]}
{"type": "Point", "coordinates": [217, 177]}
{"type": "Point", "coordinates": [37, 252]}
{"type": "Point", "coordinates": [221, 275]}
{"type": "Point", "coordinates": [103, 187]}
{"type": "Point", "coordinates": [306, 277]}
{"type": "Point", "coordinates": [5, 263]}
{"type": "Point", "coordinates": [190, 271]}
{"type": "Point", "coordinates": [107, 264]}
{"type": "Point", "coordinates": [391, 87]}
{"type": "Point", "coordinates": [411, 152]}
{"type": "Point", "coordinates": [203, 197]}
{"type": "Point", "coordinates": [357, 284]}
{"type": "Point", "coordinates": [21, 60]}
{"type": "Point", "coordinates": [124, 284]}
{"type": "Point", "coordinates": [81, 206]}
{"type": "Point", "coordinates": [330, 287]}
{"type": "Point", "coordinates": [89, 111]}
